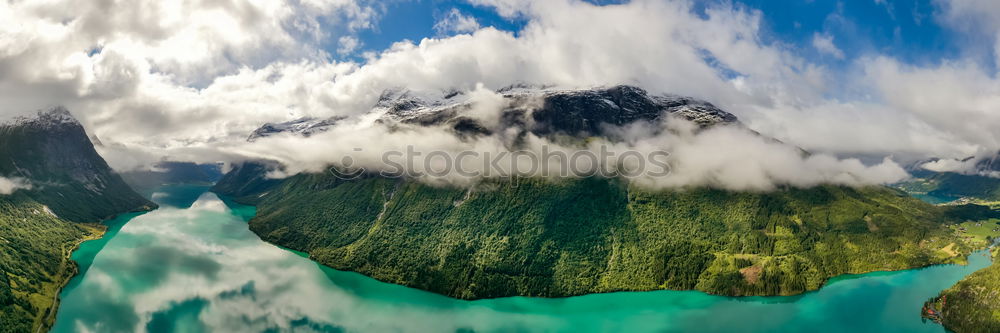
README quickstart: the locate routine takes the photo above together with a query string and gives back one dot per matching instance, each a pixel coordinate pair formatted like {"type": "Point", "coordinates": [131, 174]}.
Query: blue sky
{"type": "Point", "coordinates": [903, 29]}
{"type": "Point", "coordinates": [415, 20]}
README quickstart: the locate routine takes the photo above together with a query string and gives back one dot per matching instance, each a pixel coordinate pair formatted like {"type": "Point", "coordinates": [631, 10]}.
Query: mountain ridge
{"type": "Point", "coordinates": [590, 113]}
{"type": "Point", "coordinates": [54, 153]}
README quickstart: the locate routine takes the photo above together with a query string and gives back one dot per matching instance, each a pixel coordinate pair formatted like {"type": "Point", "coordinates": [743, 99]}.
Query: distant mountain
{"type": "Point", "coordinates": [533, 237]}
{"type": "Point", "coordinates": [569, 112]}
{"type": "Point", "coordinates": [303, 126]}
{"type": "Point", "coordinates": [248, 181]}
{"type": "Point", "coordinates": [168, 172]}
{"type": "Point", "coordinates": [980, 183]}
{"type": "Point", "coordinates": [53, 152]}
{"type": "Point", "coordinates": [554, 112]}
{"type": "Point", "coordinates": [70, 183]}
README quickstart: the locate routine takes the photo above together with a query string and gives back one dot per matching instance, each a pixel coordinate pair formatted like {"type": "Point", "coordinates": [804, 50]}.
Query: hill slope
{"type": "Point", "coordinates": [34, 259]}
{"type": "Point", "coordinates": [528, 237]}
{"type": "Point", "coordinates": [542, 238]}
{"type": "Point", "coordinates": [973, 304]}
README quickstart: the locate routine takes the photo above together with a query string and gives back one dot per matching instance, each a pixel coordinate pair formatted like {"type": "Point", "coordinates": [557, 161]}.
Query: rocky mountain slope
{"type": "Point", "coordinates": [544, 112]}
{"type": "Point", "coordinates": [54, 153]}
{"type": "Point", "coordinates": [533, 237]}
{"type": "Point", "coordinates": [554, 114]}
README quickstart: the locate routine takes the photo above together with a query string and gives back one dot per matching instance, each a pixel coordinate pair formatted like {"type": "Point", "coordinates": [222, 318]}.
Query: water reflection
{"type": "Point", "coordinates": [193, 266]}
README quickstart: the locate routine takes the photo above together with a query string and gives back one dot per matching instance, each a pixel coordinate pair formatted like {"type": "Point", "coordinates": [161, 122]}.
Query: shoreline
{"type": "Point", "coordinates": [958, 259]}
{"type": "Point", "coordinates": [827, 282]}
{"type": "Point", "coordinates": [69, 270]}
{"type": "Point", "coordinates": [679, 307]}
{"type": "Point", "coordinates": [961, 259]}
{"type": "Point", "coordinates": [98, 230]}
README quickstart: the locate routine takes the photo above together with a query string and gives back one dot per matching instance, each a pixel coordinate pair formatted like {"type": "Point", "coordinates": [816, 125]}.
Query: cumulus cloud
{"type": "Point", "coordinates": [824, 44]}
{"type": "Point", "coordinates": [348, 44]}
{"type": "Point", "coordinates": [456, 22]}
{"type": "Point", "coordinates": [979, 20]}
{"type": "Point", "coordinates": [9, 185]}
{"type": "Point", "coordinates": [507, 8]}
{"type": "Point", "coordinates": [159, 74]}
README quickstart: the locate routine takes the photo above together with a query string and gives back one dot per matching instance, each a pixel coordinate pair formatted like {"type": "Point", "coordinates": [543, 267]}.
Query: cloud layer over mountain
{"type": "Point", "coordinates": [189, 80]}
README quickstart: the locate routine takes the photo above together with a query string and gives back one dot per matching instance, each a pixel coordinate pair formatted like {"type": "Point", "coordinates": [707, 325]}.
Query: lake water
{"type": "Point", "coordinates": [194, 266]}
{"type": "Point", "coordinates": [935, 199]}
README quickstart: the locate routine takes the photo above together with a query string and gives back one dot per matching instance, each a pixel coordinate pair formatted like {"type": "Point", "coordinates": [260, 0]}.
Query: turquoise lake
{"type": "Point", "coordinates": [194, 266]}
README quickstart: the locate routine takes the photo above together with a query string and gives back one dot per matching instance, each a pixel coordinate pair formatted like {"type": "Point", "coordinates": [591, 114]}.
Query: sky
{"type": "Point", "coordinates": [188, 80]}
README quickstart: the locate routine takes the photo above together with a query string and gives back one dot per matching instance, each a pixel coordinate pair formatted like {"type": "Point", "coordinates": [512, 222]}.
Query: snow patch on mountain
{"type": "Point", "coordinates": [304, 126]}
{"type": "Point", "coordinates": [52, 117]}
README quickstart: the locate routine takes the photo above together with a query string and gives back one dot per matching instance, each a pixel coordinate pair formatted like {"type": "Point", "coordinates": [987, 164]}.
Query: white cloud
{"type": "Point", "coordinates": [979, 19]}
{"type": "Point", "coordinates": [456, 22]}
{"type": "Point", "coordinates": [824, 44]}
{"type": "Point", "coordinates": [63, 51]}
{"type": "Point", "coordinates": [507, 8]}
{"type": "Point", "coordinates": [9, 185]}
{"type": "Point", "coordinates": [246, 284]}
{"type": "Point", "coordinates": [729, 157]}
{"type": "Point", "coordinates": [149, 82]}
{"type": "Point", "coordinates": [348, 44]}
{"type": "Point", "coordinates": [958, 98]}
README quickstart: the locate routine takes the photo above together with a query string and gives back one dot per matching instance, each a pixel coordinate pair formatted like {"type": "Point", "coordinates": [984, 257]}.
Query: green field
{"type": "Point", "coordinates": [980, 233]}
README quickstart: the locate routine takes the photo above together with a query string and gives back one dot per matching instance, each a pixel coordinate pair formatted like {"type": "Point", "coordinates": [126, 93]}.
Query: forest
{"type": "Point", "coordinates": [34, 261]}
{"type": "Point", "coordinates": [538, 237]}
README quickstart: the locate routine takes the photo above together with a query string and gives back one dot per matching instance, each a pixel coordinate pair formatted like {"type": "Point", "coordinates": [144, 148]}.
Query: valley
{"type": "Point", "coordinates": [479, 166]}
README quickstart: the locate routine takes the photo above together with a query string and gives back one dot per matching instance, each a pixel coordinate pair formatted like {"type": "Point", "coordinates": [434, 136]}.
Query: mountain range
{"type": "Point", "coordinates": [517, 236]}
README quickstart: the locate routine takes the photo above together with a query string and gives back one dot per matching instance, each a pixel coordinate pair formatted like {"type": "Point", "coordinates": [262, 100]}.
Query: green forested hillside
{"type": "Point", "coordinates": [34, 261]}
{"type": "Point", "coordinates": [973, 304]}
{"type": "Point", "coordinates": [539, 238]}
{"type": "Point", "coordinates": [247, 182]}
